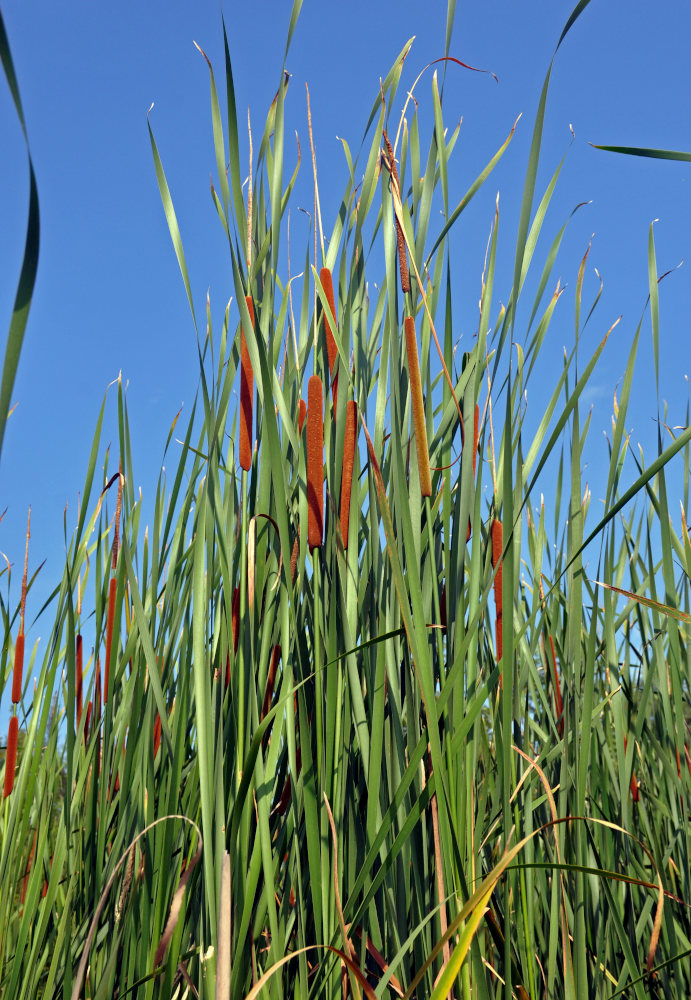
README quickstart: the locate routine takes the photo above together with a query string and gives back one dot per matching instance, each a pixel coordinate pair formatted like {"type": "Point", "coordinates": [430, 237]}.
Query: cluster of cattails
{"type": "Point", "coordinates": [13, 732]}
{"type": "Point", "coordinates": [315, 437]}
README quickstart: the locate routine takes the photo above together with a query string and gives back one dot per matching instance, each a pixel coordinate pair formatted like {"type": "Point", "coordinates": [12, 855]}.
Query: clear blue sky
{"type": "Point", "coordinates": [109, 296]}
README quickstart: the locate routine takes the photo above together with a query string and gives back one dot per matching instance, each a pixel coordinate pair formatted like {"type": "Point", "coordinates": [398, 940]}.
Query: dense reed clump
{"type": "Point", "coordinates": [318, 763]}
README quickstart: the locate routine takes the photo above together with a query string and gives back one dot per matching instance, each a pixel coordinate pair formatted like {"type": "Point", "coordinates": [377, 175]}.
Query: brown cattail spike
{"type": "Point", "coordinates": [294, 558]}
{"type": "Point", "coordinates": [349, 443]}
{"type": "Point", "coordinates": [302, 413]}
{"type": "Point", "coordinates": [246, 395]}
{"type": "Point", "coordinates": [418, 408]}
{"type": "Point", "coordinates": [497, 550]}
{"type": "Point", "coordinates": [402, 255]}
{"type": "Point", "coordinates": [18, 668]}
{"type": "Point", "coordinates": [11, 754]}
{"type": "Point", "coordinates": [315, 462]}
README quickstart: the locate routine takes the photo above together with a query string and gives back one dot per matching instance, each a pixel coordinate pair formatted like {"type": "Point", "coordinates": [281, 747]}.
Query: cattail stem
{"type": "Point", "coordinates": [80, 677]}
{"type": "Point", "coordinates": [246, 395]}
{"type": "Point", "coordinates": [349, 443]}
{"type": "Point", "coordinates": [315, 462]}
{"type": "Point", "coordinates": [497, 549]}
{"type": "Point", "coordinates": [331, 349]}
{"type": "Point", "coordinates": [235, 618]}
{"type": "Point", "coordinates": [27, 872]}
{"type": "Point", "coordinates": [11, 754]}
{"type": "Point", "coordinates": [476, 433]}
{"type": "Point", "coordinates": [559, 704]}
{"type": "Point", "coordinates": [112, 592]}
{"type": "Point", "coordinates": [271, 680]}
{"type": "Point", "coordinates": [418, 408]}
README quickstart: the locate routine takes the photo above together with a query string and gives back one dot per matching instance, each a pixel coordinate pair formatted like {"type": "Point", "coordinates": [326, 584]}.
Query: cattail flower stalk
{"type": "Point", "coordinates": [349, 443]}
{"type": "Point", "coordinates": [402, 255]}
{"type": "Point", "coordinates": [331, 349]}
{"type": "Point", "coordinates": [418, 408]}
{"type": "Point", "coordinates": [497, 549]}
{"type": "Point", "coordinates": [246, 395]}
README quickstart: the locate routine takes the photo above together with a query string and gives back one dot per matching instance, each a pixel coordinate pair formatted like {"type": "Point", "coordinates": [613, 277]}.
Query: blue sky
{"type": "Point", "coordinates": [109, 296]}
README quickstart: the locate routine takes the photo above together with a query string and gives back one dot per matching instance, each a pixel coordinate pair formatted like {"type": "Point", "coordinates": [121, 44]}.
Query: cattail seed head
{"type": "Point", "coordinates": [246, 395]}
{"type": "Point", "coordinates": [418, 408]}
{"type": "Point", "coordinates": [294, 558]}
{"type": "Point", "coordinates": [349, 443]}
{"type": "Point", "coordinates": [18, 668]}
{"type": "Point", "coordinates": [11, 754]}
{"type": "Point", "coordinates": [302, 413]}
{"type": "Point", "coordinates": [315, 462]}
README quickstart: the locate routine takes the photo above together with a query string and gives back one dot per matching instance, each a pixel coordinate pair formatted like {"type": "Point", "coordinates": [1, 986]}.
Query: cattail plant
{"type": "Point", "coordinates": [349, 443]}
{"type": "Point", "coordinates": [246, 395]}
{"type": "Point", "coordinates": [79, 658]}
{"type": "Point", "coordinates": [418, 407]}
{"type": "Point", "coordinates": [315, 462]}
{"type": "Point", "coordinates": [112, 587]}
{"type": "Point", "coordinates": [476, 434]}
{"type": "Point", "coordinates": [271, 680]}
{"type": "Point", "coordinates": [331, 349]}
{"type": "Point", "coordinates": [11, 754]}
{"type": "Point", "coordinates": [19, 645]}
{"type": "Point", "coordinates": [400, 239]}
{"type": "Point", "coordinates": [497, 550]}
{"type": "Point", "coordinates": [302, 413]}
{"type": "Point", "coordinates": [558, 703]}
